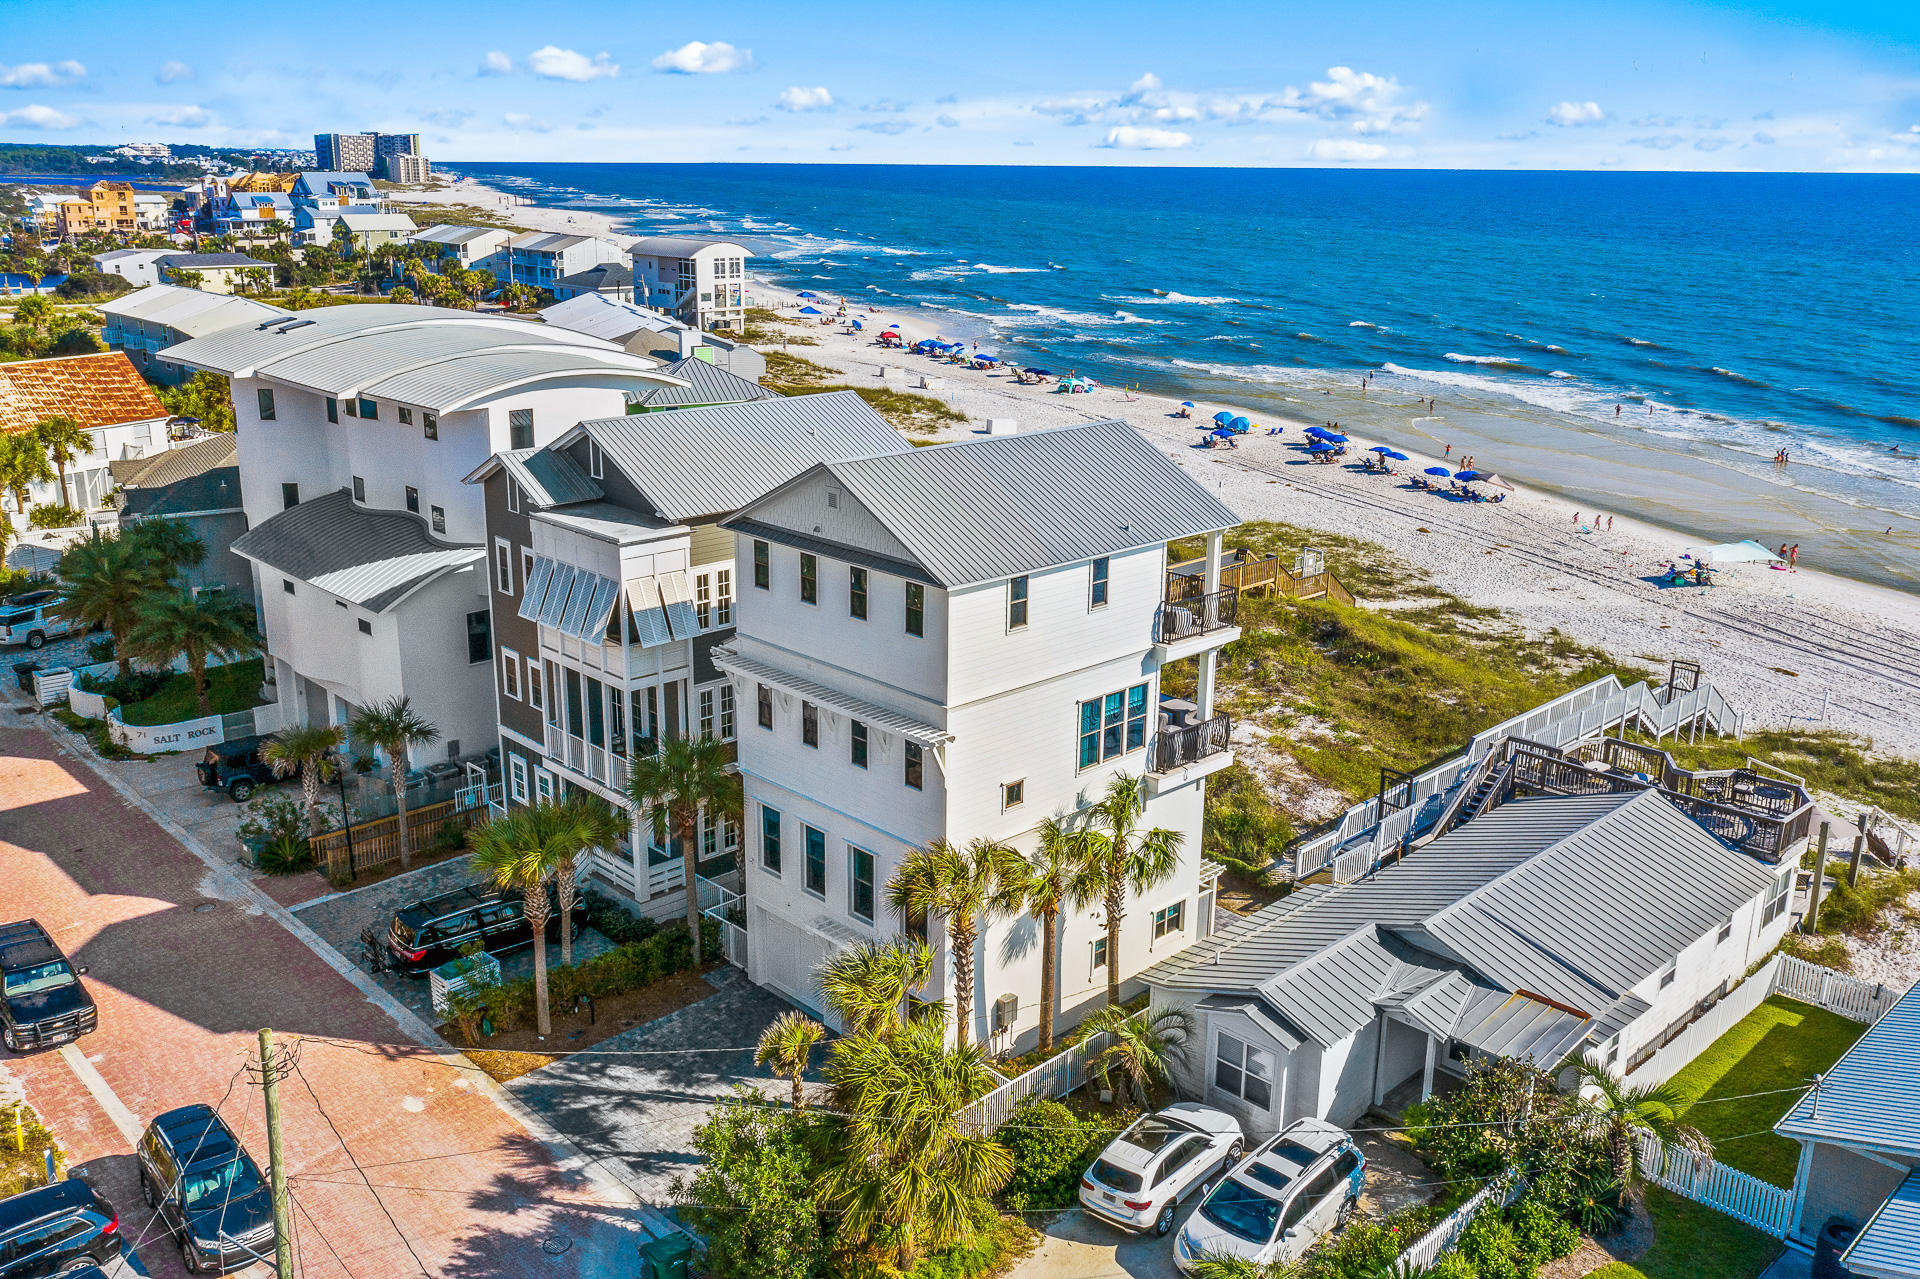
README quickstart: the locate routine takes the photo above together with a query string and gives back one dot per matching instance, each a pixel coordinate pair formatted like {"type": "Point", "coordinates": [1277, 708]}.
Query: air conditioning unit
{"type": "Point", "coordinates": [1006, 1011]}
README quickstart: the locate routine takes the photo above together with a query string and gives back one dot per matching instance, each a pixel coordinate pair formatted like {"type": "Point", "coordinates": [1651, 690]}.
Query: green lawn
{"type": "Point", "coordinates": [1781, 1044]}
{"type": "Point", "coordinates": [1693, 1241]}
{"type": "Point", "coordinates": [234, 687]}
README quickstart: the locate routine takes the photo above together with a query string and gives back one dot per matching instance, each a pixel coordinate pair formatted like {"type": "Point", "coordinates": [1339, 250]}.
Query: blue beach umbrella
{"type": "Point", "coordinates": [1319, 446]}
{"type": "Point", "coordinates": [1186, 404]}
{"type": "Point", "coordinates": [1467, 475]}
{"type": "Point", "coordinates": [1316, 432]}
{"type": "Point", "coordinates": [893, 326]}
{"type": "Point", "coordinates": [1441, 471]}
{"type": "Point", "coordinates": [806, 293]}
{"type": "Point", "coordinates": [1223, 417]}
{"type": "Point", "coordinates": [810, 310]}
{"type": "Point", "coordinates": [1379, 448]}
{"type": "Point", "coordinates": [1396, 455]}
{"type": "Point", "coordinates": [1240, 424]}
{"type": "Point", "coordinates": [1333, 438]}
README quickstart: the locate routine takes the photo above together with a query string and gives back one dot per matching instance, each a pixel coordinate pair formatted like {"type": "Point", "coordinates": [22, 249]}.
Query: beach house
{"type": "Point", "coordinates": [542, 259]}
{"type": "Point", "coordinates": [955, 643]}
{"type": "Point", "coordinates": [366, 232]}
{"type": "Point", "coordinates": [645, 331]}
{"type": "Point", "coordinates": [608, 279]}
{"type": "Point", "coordinates": [106, 396]}
{"type": "Point", "coordinates": [612, 583]}
{"type": "Point", "coordinates": [197, 484]}
{"type": "Point", "coordinates": [320, 197]}
{"type": "Point", "coordinates": [476, 248]}
{"type": "Point", "coordinates": [102, 206]}
{"type": "Point", "coordinates": [147, 321]}
{"type": "Point", "coordinates": [702, 282]}
{"type": "Point", "coordinates": [139, 267]}
{"type": "Point", "coordinates": [355, 426]}
{"type": "Point", "coordinates": [213, 272]}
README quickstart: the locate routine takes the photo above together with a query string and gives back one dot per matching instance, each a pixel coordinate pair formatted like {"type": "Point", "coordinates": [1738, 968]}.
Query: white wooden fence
{"type": "Point", "coordinates": [1055, 1077]}
{"type": "Point", "coordinates": [1425, 1250]}
{"type": "Point", "coordinates": [1836, 992]}
{"type": "Point", "coordinates": [1742, 1196]}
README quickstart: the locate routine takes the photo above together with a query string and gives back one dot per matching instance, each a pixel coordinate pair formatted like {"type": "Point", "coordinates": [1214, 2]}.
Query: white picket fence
{"type": "Point", "coordinates": [1742, 1196]}
{"type": "Point", "coordinates": [1426, 1250]}
{"type": "Point", "coordinates": [1055, 1077]}
{"type": "Point", "coordinates": [1836, 992]}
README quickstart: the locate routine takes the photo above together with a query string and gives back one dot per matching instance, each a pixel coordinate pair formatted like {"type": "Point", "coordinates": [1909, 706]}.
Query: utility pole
{"type": "Point", "coordinates": [1812, 921]}
{"type": "Point", "coordinates": [276, 1160]}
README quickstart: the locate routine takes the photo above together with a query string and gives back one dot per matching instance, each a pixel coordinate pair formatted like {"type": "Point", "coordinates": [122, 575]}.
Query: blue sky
{"type": "Point", "coordinates": [1635, 84]}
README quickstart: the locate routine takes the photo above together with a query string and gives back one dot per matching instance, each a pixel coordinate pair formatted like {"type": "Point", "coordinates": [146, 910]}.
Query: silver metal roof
{"type": "Point", "coordinates": [598, 315]}
{"type": "Point", "coordinates": [705, 384]}
{"type": "Point", "coordinates": [679, 246]}
{"type": "Point", "coordinates": [1521, 1027]}
{"type": "Point", "coordinates": [372, 558]}
{"type": "Point", "coordinates": [192, 312]}
{"type": "Point", "coordinates": [548, 477]}
{"type": "Point", "coordinates": [1871, 1096]}
{"type": "Point", "coordinates": [376, 222]}
{"type": "Point", "coordinates": [1889, 1246]}
{"type": "Point", "coordinates": [867, 712]}
{"type": "Point", "coordinates": [983, 509]}
{"type": "Point", "coordinates": [448, 233]}
{"type": "Point", "coordinates": [547, 241]}
{"type": "Point", "coordinates": [710, 461]}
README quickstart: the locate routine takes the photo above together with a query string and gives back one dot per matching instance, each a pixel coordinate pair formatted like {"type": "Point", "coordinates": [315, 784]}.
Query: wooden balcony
{"type": "Point", "coordinates": [1307, 579]}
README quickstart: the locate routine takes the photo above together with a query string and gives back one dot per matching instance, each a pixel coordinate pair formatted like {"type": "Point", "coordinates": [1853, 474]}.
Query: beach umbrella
{"type": "Point", "coordinates": [1041, 372]}
{"type": "Point", "coordinates": [1441, 471]}
{"type": "Point", "coordinates": [1379, 448]}
{"type": "Point", "coordinates": [1186, 404]}
{"type": "Point", "coordinates": [1315, 432]}
{"type": "Point", "coordinates": [1223, 417]}
{"type": "Point", "coordinates": [1332, 437]}
{"type": "Point", "coordinates": [1466, 475]}
{"type": "Point", "coordinates": [806, 293]}
{"type": "Point", "coordinates": [810, 310]}
{"type": "Point", "coordinates": [893, 326]}
{"type": "Point", "coordinates": [1221, 433]}
{"type": "Point", "coordinates": [1396, 455]}
{"type": "Point", "coordinates": [1240, 424]}
{"type": "Point", "coordinates": [1319, 446]}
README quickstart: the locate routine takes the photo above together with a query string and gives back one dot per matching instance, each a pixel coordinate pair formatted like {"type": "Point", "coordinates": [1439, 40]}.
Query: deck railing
{"type": "Point", "coordinates": [1198, 614]}
{"type": "Point", "coordinates": [1265, 573]}
{"type": "Point", "coordinates": [1175, 748]}
{"type": "Point", "coordinates": [1055, 1077]}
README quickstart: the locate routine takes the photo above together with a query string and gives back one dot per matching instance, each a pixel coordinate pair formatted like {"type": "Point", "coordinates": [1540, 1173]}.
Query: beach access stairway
{"type": "Point", "coordinates": [1307, 579]}
{"type": "Point", "coordinates": [1415, 807]}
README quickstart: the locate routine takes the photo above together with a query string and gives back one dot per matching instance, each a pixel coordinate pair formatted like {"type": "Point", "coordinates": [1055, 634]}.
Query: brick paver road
{"type": "Point", "coordinates": [185, 979]}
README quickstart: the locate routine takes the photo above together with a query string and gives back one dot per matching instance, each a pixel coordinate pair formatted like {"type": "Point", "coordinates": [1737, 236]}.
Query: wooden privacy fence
{"type": "Point", "coordinates": [1426, 1250]}
{"type": "Point", "coordinates": [376, 843]}
{"type": "Point", "coordinates": [1055, 1077]}
{"type": "Point", "coordinates": [1742, 1196]}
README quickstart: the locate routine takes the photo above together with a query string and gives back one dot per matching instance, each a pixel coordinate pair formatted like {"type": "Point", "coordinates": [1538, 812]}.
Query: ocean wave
{"type": "Point", "coordinates": [1640, 342]}
{"type": "Point", "coordinates": [991, 269]}
{"type": "Point", "coordinates": [1054, 315]}
{"type": "Point", "coordinates": [1562, 373]}
{"type": "Point", "coordinates": [1492, 361]}
{"type": "Point", "coordinates": [1309, 337]}
{"type": "Point", "coordinates": [1731, 376]}
{"type": "Point", "coordinates": [1361, 324]}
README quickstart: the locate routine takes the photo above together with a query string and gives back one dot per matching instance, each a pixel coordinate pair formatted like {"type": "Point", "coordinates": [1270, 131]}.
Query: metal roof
{"type": "Point", "coordinates": [1871, 1096]}
{"type": "Point", "coordinates": [680, 246]}
{"type": "Point", "coordinates": [990, 508]}
{"type": "Point", "coordinates": [320, 181]}
{"type": "Point", "coordinates": [600, 275]}
{"type": "Point", "coordinates": [832, 698]}
{"type": "Point", "coordinates": [372, 558]}
{"type": "Point", "coordinates": [598, 315]}
{"type": "Point", "coordinates": [190, 312]}
{"type": "Point", "coordinates": [548, 241]}
{"type": "Point", "coordinates": [709, 461]}
{"type": "Point", "coordinates": [1520, 1027]}
{"type": "Point", "coordinates": [1889, 1246]}
{"type": "Point", "coordinates": [357, 222]}
{"type": "Point", "coordinates": [187, 462]}
{"type": "Point", "coordinates": [448, 233]}
{"type": "Point", "coordinates": [548, 477]}
{"type": "Point", "coordinates": [205, 261]}
{"type": "Point", "coordinates": [705, 384]}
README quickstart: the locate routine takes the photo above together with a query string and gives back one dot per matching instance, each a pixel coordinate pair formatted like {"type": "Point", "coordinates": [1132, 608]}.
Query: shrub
{"type": "Point", "coordinates": [274, 831]}
{"type": "Point", "coordinates": [1451, 1265]}
{"type": "Point", "coordinates": [451, 835]}
{"type": "Point", "coordinates": [1489, 1244]}
{"type": "Point", "coordinates": [1366, 1249]}
{"type": "Point", "coordinates": [752, 1198]}
{"type": "Point", "coordinates": [1051, 1146]}
{"type": "Point", "coordinates": [1540, 1233]}
{"type": "Point", "coordinates": [101, 649]}
{"type": "Point", "coordinates": [615, 922]}
{"type": "Point", "coordinates": [134, 687]}
{"type": "Point", "coordinates": [53, 516]}
{"type": "Point", "coordinates": [624, 968]}
{"type": "Point", "coordinates": [986, 1254]}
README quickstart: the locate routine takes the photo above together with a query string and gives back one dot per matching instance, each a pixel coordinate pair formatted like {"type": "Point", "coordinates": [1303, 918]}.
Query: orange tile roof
{"type": "Point", "coordinates": [93, 390]}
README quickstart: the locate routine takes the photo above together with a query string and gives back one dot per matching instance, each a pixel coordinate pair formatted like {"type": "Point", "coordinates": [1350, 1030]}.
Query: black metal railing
{"type": "Point", "coordinates": [1198, 614]}
{"type": "Point", "coordinates": [1177, 747]}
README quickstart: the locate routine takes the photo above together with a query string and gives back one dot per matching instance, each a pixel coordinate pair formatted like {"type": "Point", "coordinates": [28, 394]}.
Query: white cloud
{"type": "Point", "coordinates": [1711, 144]}
{"type": "Point", "coordinates": [554, 63]}
{"type": "Point", "coordinates": [172, 72]}
{"type": "Point", "coordinates": [1571, 115]}
{"type": "Point", "coordinates": [889, 127]}
{"type": "Point", "coordinates": [38, 117]}
{"type": "Point", "coordinates": [1764, 139]}
{"type": "Point", "coordinates": [841, 146]}
{"type": "Point", "coordinates": [1650, 121]}
{"type": "Point", "coordinates": [41, 75]}
{"type": "Point", "coordinates": [1363, 101]}
{"type": "Point", "coordinates": [496, 63]}
{"type": "Point", "coordinates": [887, 105]}
{"type": "Point", "coordinates": [697, 57]}
{"type": "Point", "coordinates": [1344, 149]}
{"type": "Point", "coordinates": [183, 117]}
{"type": "Point", "coordinates": [946, 121]}
{"type": "Point", "coordinates": [1128, 137]}
{"type": "Point", "coordinates": [1658, 142]}
{"type": "Point", "coordinates": [799, 98]}
{"type": "Point", "coordinates": [517, 120]}
{"type": "Point", "coordinates": [449, 117]}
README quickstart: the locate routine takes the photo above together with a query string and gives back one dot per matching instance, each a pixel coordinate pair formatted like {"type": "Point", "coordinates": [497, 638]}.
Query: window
{"type": "Point", "coordinates": [726, 712]}
{"type": "Point", "coordinates": [703, 600]}
{"type": "Point", "coordinates": [406, 415]}
{"type": "Point", "coordinates": [543, 784]}
{"type": "Point", "coordinates": [286, 585]}
{"type": "Point", "coordinates": [526, 566]}
{"type": "Point", "coordinates": [289, 496]}
{"type": "Point", "coordinates": [479, 636]}
{"type": "Point", "coordinates": [916, 609]}
{"type": "Point", "coordinates": [810, 724]}
{"type": "Point", "coordinates": [706, 712]}
{"type": "Point", "coordinates": [359, 489]}
{"type": "Point", "coordinates": [519, 428]}
{"type": "Point", "coordinates": [1099, 953]}
{"type": "Point", "coordinates": [809, 579]}
{"type": "Point", "coordinates": [1667, 975]}
{"type": "Point", "coordinates": [859, 749]}
{"type": "Point", "coordinates": [762, 570]}
{"type": "Point", "coordinates": [766, 706]}
{"type": "Point", "coordinates": [439, 519]}
{"type": "Point", "coordinates": [353, 408]}
{"type": "Point", "coordinates": [860, 885]}
{"type": "Point", "coordinates": [814, 877]}
{"type": "Point", "coordinates": [510, 673]}
{"type": "Point", "coordinates": [517, 769]}
{"type": "Point", "coordinates": [1097, 596]}
{"type": "Point", "coordinates": [770, 838]}
{"type": "Point", "coordinates": [370, 410]}
{"type": "Point", "coordinates": [1017, 603]}
{"type": "Point", "coordinates": [1726, 931]}
{"type": "Point", "coordinates": [1113, 725]}
{"type": "Point", "coordinates": [913, 777]}
{"type": "Point", "coordinates": [366, 627]}
{"type": "Point", "coordinates": [502, 566]}
{"type": "Point", "coordinates": [1169, 920]}
{"type": "Point", "coordinates": [1245, 1072]}
{"type": "Point", "coordinates": [536, 693]}
{"type": "Point", "coordinates": [430, 424]}
{"type": "Point", "coordinates": [266, 404]}
{"type": "Point", "coordinates": [413, 499]}
{"type": "Point", "coordinates": [595, 467]}
{"type": "Point", "coordinates": [857, 593]}
{"type": "Point", "coordinates": [1782, 894]}
{"type": "Point", "coordinates": [333, 409]}
{"type": "Point", "coordinates": [723, 597]}
{"type": "Point", "coordinates": [1013, 794]}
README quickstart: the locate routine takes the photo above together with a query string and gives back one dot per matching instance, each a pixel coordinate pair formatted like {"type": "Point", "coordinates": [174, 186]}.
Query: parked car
{"type": "Point", "coordinates": [28, 619]}
{"type": "Point", "coordinates": [207, 1190]}
{"type": "Point", "coordinates": [44, 1003]}
{"type": "Point", "coordinates": [429, 933]}
{"type": "Point", "coordinates": [236, 767]}
{"type": "Point", "coordinates": [1159, 1162]}
{"type": "Point", "coordinates": [1278, 1200]}
{"type": "Point", "coordinates": [62, 1229]}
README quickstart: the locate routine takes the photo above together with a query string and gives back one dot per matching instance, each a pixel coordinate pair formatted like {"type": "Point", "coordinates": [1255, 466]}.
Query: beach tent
{"type": "Point", "coordinates": [1441, 471]}
{"type": "Point", "coordinates": [806, 293]}
{"type": "Point", "coordinates": [1734, 553]}
{"type": "Point", "coordinates": [1240, 425]}
{"type": "Point", "coordinates": [810, 310]}
{"type": "Point", "coordinates": [1223, 417]}
{"type": "Point", "coordinates": [1494, 479]}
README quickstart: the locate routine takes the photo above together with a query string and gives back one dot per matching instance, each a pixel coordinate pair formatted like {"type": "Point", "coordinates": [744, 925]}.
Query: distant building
{"type": "Point", "coordinates": [320, 197]}
{"type": "Point", "coordinates": [544, 258]}
{"type": "Point", "coordinates": [477, 248]}
{"type": "Point", "coordinates": [145, 151]}
{"type": "Point", "coordinates": [251, 213]}
{"type": "Point", "coordinates": [147, 321]}
{"type": "Point", "coordinates": [199, 485]}
{"type": "Point", "coordinates": [609, 279]}
{"type": "Point", "coordinates": [411, 170]}
{"type": "Point", "coordinates": [394, 156]}
{"type": "Point", "coordinates": [368, 231]}
{"type": "Point", "coordinates": [643, 331]}
{"type": "Point", "coordinates": [700, 281]}
{"type": "Point", "coordinates": [345, 152]}
{"type": "Point", "coordinates": [104, 206]}
{"type": "Point", "coordinates": [104, 395]}
{"type": "Point", "coordinates": [218, 272]}
{"type": "Point", "coordinates": [139, 267]}
{"type": "Point", "coordinates": [152, 210]}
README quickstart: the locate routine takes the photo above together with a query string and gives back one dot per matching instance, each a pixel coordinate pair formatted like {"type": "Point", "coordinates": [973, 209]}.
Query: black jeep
{"type": "Point", "coordinates": [237, 768]}
{"type": "Point", "coordinates": [429, 933]}
{"type": "Point", "coordinates": [45, 1003]}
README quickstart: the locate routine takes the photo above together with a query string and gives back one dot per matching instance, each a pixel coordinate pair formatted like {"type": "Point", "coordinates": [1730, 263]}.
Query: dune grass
{"type": "Point", "coordinates": [1693, 1241]}
{"type": "Point", "coordinates": [915, 414]}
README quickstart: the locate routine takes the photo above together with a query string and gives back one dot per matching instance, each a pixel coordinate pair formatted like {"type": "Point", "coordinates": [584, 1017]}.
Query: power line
{"type": "Point", "coordinates": [159, 1218]}
{"type": "Point", "coordinates": [338, 1259]}
{"type": "Point", "coordinates": [305, 1083]}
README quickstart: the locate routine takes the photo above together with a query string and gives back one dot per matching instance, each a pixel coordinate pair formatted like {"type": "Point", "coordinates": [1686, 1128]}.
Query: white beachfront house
{"type": "Point", "coordinates": [476, 248]}
{"type": "Point", "coordinates": [612, 583]}
{"type": "Point", "coordinates": [103, 393]}
{"type": "Point", "coordinates": [356, 425]}
{"type": "Point", "coordinates": [543, 258]}
{"type": "Point", "coordinates": [956, 642]}
{"type": "Point", "coordinates": [136, 266]}
{"type": "Point", "coordinates": [147, 321]}
{"type": "Point", "coordinates": [644, 331]}
{"type": "Point", "coordinates": [702, 282]}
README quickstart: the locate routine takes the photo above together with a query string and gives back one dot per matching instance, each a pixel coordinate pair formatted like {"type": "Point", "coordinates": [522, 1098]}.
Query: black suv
{"type": "Point", "coordinates": [45, 1003]}
{"type": "Point", "coordinates": [429, 933]}
{"type": "Point", "coordinates": [207, 1189]}
{"type": "Point", "coordinates": [236, 767]}
{"type": "Point", "coordinates": [57, 1230]}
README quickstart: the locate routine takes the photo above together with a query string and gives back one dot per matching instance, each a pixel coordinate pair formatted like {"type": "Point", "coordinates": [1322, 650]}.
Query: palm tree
{"type": "Point", "coordinates": [685, 776]}
{"type": "Point", "coordinates": [23, 464]}
{"type": "Point", "coordinates": [900, 1162]}
{"type": "Point", "coordinates": [395, 727]}
{"type": "Point", "coordinates": [178, 623]}
{"type": "Point", "coordinates": [787, 1045]}
{"type": "Point", "coordinates": [1043, 886]}
{"type": "Point", "coordinates": [102, 584]}
{"type": "Point", "coordinates": [65, 441]}
{"type": "Point", "coordinates": [400, 294]}
{"type": "Point", "coordinates": [594, 826]}
{"type": "Point", "coordinates": [970, 886]}
{"type": "Point", "coordinates": [1620, 1111]}
{"type": "Point", "coordinates": [308, 750]}
{"type": "Point", "coordinates": [521, 852]}
{"type": "Point", "coordinates": [866, 985]}
{"type": "Point", "coordinates": [1116, 857]}
{"type": "Point", "coordinates": [1141, 1049]}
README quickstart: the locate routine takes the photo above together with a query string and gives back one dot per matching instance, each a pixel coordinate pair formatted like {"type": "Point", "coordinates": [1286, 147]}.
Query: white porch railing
{"type": "Point", "coordinates": [733, 938]}
{"type": "Point", "coordinates": [1742, 1196]}
{"type": "Point", "coordinates": [1426, 1250]}
{"type": "Point", "coordinates": [1055, 1077]}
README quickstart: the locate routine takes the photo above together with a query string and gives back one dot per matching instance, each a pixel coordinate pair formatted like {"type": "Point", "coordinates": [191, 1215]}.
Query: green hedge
{"type": "Point", "coordinates": [1051, 1145]}
{"type": "Point", "coordinates": [625, 968]}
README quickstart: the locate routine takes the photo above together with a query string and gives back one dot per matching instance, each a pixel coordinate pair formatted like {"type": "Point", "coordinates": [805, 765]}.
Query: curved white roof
{"type": "Point", "coordinates": [433, 357]}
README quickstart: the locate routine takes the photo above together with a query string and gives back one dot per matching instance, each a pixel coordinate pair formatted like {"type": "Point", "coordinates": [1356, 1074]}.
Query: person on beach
{"type": "Point", "coordinates": [1576, 519]}
{"type": "Point", "coordinates": [1449, 452]}
{"type": "Point", "coordinates": [1793, 555]}
{"type": "Point", "coordinates": [1609, 523]}
{"type": "Point", "coordinates": [1616, 410]}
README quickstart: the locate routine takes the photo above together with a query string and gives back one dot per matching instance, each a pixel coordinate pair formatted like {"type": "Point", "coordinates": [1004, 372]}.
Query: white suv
{"type": "Point", "coordinates": [28, 619]}
{"type": "Point", "coordinates": [1277, 1201]}
{"type": "Point", "coordinates": [1144, 1173]}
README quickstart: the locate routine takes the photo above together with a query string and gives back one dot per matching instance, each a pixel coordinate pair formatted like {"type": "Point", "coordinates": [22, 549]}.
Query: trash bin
{"type": "Point", "coordinates": [1835, 1238]}
{"type": "Point", "coordinates": [23, 674]}
{"type": "Point", "coordinates": [669, 1258]}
